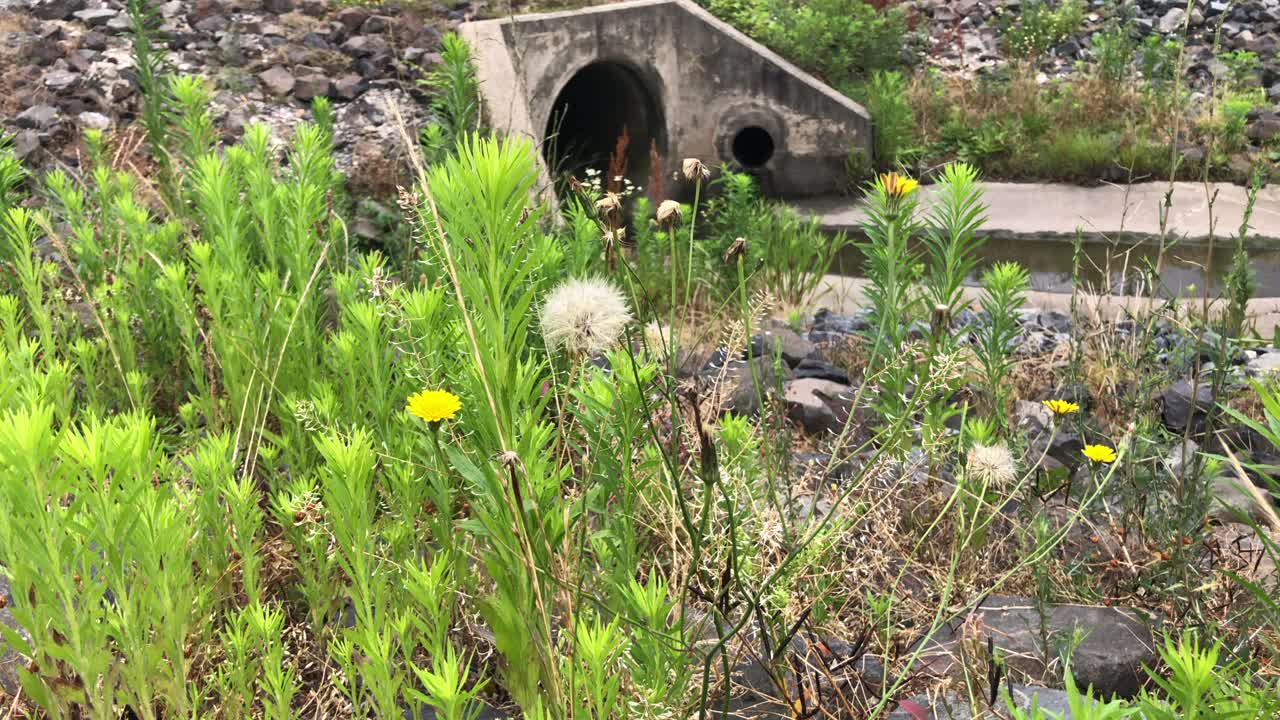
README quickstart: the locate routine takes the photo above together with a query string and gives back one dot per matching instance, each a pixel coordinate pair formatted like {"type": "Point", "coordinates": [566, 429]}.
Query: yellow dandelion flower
{"type": "Point", "coordinates": [1104, 454]}
{"type": "Point", "coordinates": [898, 186]}
{"type": "Point", "coordinates": [434, 406]}
{"type": "Point", "coordinates": [1061, 407]}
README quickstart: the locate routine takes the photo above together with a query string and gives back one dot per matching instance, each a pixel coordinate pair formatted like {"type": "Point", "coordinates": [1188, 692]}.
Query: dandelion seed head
{"type": "Point", "coordinates": [735, 250]}
{"type": "Point", "coordinates": [991, 465]}
{"type": "Point", "coordinates": [585, 316]}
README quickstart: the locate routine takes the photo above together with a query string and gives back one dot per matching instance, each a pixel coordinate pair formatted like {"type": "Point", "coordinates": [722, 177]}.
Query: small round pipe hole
{"type": "Point", "coordinates": [753, 146]}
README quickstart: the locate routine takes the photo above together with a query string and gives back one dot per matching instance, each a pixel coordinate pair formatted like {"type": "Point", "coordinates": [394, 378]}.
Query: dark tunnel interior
{"type": "Point", "coordinates": [598, 104]}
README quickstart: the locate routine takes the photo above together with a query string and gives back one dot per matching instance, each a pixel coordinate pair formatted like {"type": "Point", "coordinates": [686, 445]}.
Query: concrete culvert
{"type": "Point", "coordinates": [668, 71]}
{"type": "Point", "coordinates": [590, 114]}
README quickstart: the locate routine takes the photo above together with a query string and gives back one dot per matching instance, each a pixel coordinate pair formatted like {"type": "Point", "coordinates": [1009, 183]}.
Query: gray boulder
{"type": "Point", "coordinates": [955, 706]}
{"type": "Point", "coordinates": [362, 46]}
{"type": "Point", "coordinates": [737, 384]}
{"type": "Point", "coordinates": [278, 80]}
{"type": "Point", "coordinates": [1235, 497]}
{"type": "Point", "coordinates": [96, 17]}
{"type": "Point", "coordinates": [1265, 128]}
{"type": "Point", "coordinates": [61, 80]}
{"type": "Point", "coordinates": [352, 18]}
{"type": "Point", "coordinates": [819, 406]}
{"type": "Point", "coordinates": [93, 120]}
{"type": "Point", "coordinates": [311, 86]}
{"type": "Point", "coordinates": [1265, 364]}
{"type": "Point", "coordinates": [778, 337]}
{"type": "Point", "coordinates": [1115, 646]}
{"type": "Point", "coordinates": [1185, 404]}
{"type": "Point", "coordinates": [39, 117]}
{"type": "Point", "coordinates": [1173, 20]}
{"type": "Point", "coordinates": [26, 143]}
{"type": "Point", "coordinates": [56, 9]}
{"type": "Point", "coordinates": [1238, 548]}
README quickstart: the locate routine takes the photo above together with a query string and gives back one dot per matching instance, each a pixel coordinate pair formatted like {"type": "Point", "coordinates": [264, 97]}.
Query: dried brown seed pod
{"type": "Point", "coordinates": [737, 249]}
{"type": "Point", "coordinates": [669, 212]}
{"type": "Point", "coordinates": [694, 169]}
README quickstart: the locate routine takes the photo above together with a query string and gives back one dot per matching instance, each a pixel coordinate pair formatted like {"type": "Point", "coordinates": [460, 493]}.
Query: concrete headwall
{"type": "Point", "coordinates": [709, 91]}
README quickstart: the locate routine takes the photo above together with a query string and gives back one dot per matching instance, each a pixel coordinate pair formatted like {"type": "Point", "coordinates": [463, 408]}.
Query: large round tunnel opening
{"type": "Point", "coordinates": [604, 106]}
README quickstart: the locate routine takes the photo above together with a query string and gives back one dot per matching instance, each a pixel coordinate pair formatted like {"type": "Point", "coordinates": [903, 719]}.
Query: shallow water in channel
{"type": "Point", "coordinates": [1104, 266]}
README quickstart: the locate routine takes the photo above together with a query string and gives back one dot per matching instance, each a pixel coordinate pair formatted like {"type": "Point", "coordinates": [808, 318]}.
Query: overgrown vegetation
{"type": "Point", "coordinates": [250, 469]}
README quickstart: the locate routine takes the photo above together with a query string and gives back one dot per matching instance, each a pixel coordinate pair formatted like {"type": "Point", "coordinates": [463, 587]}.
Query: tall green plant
{"type": "Point", "coordinates": [1003, 295]}
{"type": "Point", "coordinates": [151, 72]}
{"type": "Point", "coordinates": [891, 263]}
{"type": "Point", "coordinates": [889, 103]}
{"type": "Point", "coordinates": [951, 239]}
{"type": "Point", "coordinates": [455, 99]}
{"type": "Point", "coordinates": [480, 228]}
{"type": "Point", "coordinates": [12, 174]}
{"type": "Point", "coordinates": [1114, 50]}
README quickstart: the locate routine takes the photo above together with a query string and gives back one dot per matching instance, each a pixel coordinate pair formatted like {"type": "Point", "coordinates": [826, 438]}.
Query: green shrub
{"type": "Point", "coordinates": [151, 68]}
{"type": "Point", "coordinates": [1235, 110]}
{"type": "Point", "coordinates": [858, 170]}
{"type": "Point", "coordinates": [1147, 158]}
{"type": "Point", "coordinates": [1004, 287]}
{"type": "Point", "coordinates": [12, 174]}
{"type": "Point", "coordinates": [842, 41]}
{"type": "Point", "coordinates": [1078, 154]}
{"type": "Point", "coordinates": [980, 144]}
{"type": "Point", "coordinates": [787, 254]}
{"type": "Point", "coordinates": [752, 17]}
{"type": "Point", "coordinates": [892, 118]}
{"type": "Point", "coordinates": [1160, 58]}
{"type": "Point", "coordinates": [1114, 50]}
{"type": "Point", "coordinates": [793, 254]}
{"type": "Point", "coordinates": [951, 241]}
{"type": "Point", "coordinates": [1243, 67]}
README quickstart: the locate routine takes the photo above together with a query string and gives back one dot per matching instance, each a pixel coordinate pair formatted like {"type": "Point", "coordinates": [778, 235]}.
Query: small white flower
{"type": "Point", "coordinates": [584, 316]}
